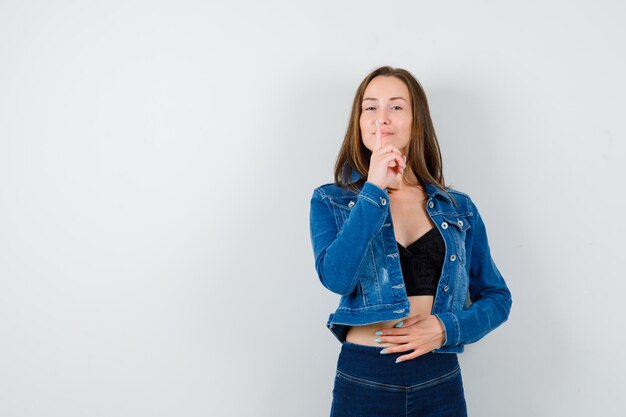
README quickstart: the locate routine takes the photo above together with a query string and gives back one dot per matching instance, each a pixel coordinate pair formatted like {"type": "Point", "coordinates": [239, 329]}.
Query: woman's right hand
{"type": "Point", "coordinates": [386, 163]}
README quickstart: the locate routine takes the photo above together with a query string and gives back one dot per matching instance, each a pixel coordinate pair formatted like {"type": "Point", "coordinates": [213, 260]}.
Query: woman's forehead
{"type": "Point", "coordinates": [386, 88]}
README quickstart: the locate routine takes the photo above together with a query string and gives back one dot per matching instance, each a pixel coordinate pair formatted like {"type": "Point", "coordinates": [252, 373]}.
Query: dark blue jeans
{"type": "Point", "coordinates": [369, 384]}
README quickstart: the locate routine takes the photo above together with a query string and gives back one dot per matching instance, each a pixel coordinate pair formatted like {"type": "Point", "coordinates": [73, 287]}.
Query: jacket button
{"type": "Point", "coordinates": [444, 225]}
{"type": "Point", "coordinates": [350, 204]}
{"type": "Point", "coordinates": [383, 201]}
{"type": "Point", "coordinates": [445, 289]}
{"type": "Point", "coordinates": [460, 222]}
{"type": "Point", "coordinates": [453, 257]}
{"type": "Point", "coordinates": [431, 204]}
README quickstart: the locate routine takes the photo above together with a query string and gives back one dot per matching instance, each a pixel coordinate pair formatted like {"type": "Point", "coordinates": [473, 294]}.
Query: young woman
{"type": "Point", "coordinates": [409, 257]}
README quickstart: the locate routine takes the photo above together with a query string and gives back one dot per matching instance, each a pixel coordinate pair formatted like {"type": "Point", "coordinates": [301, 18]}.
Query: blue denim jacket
{"type": "Point", "coordinates": [356, 256]}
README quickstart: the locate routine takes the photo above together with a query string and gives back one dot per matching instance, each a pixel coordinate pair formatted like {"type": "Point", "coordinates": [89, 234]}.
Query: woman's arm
{"type": "Point", "coordinates": [489, 294]}
{"type": "Point", "coordinates": [339, 253]}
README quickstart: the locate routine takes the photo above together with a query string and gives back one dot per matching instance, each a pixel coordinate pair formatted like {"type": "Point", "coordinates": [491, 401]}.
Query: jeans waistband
{"type": "Point", "coordinates": [366, 362]}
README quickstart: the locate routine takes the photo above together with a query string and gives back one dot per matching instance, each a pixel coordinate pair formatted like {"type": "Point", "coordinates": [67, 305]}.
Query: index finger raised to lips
{"type": "Point", "coordinates": [378, 143]}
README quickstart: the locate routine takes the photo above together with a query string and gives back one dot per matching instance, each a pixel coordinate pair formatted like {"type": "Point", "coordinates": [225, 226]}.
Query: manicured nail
{"type": "Point", "coordinates": [377, 340]}
{"type": "Point", "coordinates": [379, 333]}
{"type": "Point", "coordinates": [398, 360]}
{"type": "Point", "coordinates": [376, 124]}
{"type": "Point", "coordinates": [399, 324]}
{"type": "Point", "coordinates": [383, 351]}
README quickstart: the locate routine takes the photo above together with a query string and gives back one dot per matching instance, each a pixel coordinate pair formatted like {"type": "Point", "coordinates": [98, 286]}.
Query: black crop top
{"type": "Point", "coordinates": [421, 263]}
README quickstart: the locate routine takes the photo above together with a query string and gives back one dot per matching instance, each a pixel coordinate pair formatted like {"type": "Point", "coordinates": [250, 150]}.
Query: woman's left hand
{"type": "Point", "coordinates": [421, 333]}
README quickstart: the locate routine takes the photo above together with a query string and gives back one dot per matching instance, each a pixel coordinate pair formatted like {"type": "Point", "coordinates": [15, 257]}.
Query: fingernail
{"type": "Point", "coordinates": [398, 360]}
{"type": "Point", "coordinates": [383, 351]}
{"type": "Point", "coordinates": [376, 124]}
{"type": "Point", "coordinates": [399, 324]}
{"type": "Point", "coordinates": [379, 333]}
{"type": "Point", "coordinates": [377, 340]}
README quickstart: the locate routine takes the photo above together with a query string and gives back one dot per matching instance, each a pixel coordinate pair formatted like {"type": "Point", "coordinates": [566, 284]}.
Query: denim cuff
{"type": "Point", "coordinates": [445, 332]}
{"type": "Point", "coordinates": [451, 325]}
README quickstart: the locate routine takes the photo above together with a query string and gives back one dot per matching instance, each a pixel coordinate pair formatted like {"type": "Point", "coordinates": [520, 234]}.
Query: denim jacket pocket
{"type": "Point", "coordinates": [341, 208]}
{"type": "Point", "coordinates": [459, 221]}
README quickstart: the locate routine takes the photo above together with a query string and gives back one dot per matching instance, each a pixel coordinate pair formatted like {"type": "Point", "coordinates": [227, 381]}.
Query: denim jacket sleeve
{"type": "Point", "coordinates": [340, 253]}
{"type": "Point", "coordinates": [489, 295]}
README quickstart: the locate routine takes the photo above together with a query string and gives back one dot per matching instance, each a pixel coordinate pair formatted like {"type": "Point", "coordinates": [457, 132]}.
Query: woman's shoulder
{"type": "Point", "coordinates": [458, 193]}
{"type": "Point", "coordinates": [432, 188]}
{"type": "Point", "coordinates": [333, 189]}
{"type": "Point", "coordinates": [467, 204]}
{"type": "Point", "coordinates": [462, 199]}
{"type": "Point", "coordinates": [453, 189]}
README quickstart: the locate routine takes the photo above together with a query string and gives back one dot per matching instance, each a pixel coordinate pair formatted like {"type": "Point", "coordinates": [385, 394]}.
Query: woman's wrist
{"type": "Point", "coordinates": [378, 185]}
{"type": "Point", "coordinates": [443, 332]}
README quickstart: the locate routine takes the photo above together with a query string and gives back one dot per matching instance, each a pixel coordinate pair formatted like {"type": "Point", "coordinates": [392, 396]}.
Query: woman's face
{"type": "Point", "coordinates": [387, 100]}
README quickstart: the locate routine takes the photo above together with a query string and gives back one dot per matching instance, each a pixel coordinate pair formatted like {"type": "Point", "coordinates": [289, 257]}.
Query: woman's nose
{"type": "Point", "coordinates": [383, 116]}
{"type": "Point", "coordinates": [381, 121]}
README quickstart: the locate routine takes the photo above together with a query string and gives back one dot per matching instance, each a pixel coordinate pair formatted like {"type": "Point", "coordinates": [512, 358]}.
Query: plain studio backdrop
{"type": "Point", "coordinates": [157, 161]}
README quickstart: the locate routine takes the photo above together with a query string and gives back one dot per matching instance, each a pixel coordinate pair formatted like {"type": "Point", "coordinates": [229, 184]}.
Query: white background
{"type": "Point", "coordinates": [156, 164]}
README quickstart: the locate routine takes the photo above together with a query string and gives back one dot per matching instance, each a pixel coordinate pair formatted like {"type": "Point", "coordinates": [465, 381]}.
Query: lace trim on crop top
{"type": "Point", "coordinates": [421, 263]}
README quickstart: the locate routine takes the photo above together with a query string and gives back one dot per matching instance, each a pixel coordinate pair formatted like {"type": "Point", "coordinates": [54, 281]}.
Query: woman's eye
{"type": "Point", "coordinates": [374, 108]}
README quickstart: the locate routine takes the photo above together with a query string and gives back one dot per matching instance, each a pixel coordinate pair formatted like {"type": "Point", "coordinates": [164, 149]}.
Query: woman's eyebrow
{"type": "Point", "coordinates": [392, 98]}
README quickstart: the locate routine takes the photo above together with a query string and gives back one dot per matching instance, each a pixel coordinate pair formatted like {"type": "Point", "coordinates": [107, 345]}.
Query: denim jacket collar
{"type": "Point", "coordinates": [430, 189]}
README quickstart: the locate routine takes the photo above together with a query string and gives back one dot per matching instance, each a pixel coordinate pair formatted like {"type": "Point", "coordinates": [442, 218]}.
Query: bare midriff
{"type": "Point", "coordinates": [365, 335]}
